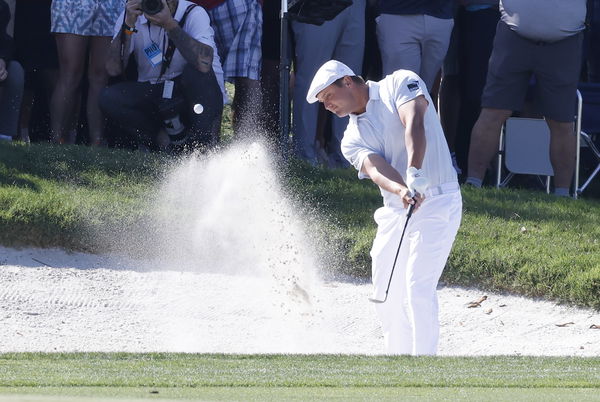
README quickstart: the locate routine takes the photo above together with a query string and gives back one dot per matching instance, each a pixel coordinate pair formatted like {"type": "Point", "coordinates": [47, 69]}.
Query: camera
{"type": "Point", "coordinates": [152, 7]}
{"type": "Point", "coordinates": [169, 110]}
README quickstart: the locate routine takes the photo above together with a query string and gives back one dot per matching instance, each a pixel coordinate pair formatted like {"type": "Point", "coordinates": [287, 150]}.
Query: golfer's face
{"type": "Point", "coordinates": [337, 99]}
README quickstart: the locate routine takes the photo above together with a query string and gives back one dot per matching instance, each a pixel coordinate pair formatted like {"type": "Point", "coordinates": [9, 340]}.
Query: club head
{"type": "Point", "coordinates": [376, 301]}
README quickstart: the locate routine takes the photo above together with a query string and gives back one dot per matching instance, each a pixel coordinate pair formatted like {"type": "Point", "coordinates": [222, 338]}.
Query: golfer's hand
{"type": "Point", "coordinates": [3, 71]}
{"type": "Point", "coordinates": [164, 18]}
{"type": "Point", "coordinates": [133, 10]}
{"type": "Point", "coordinates": [410, 198]}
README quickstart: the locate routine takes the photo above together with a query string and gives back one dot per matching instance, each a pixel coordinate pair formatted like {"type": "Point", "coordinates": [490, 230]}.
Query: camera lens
{"type": "Point", "coordinates": [152, 7]}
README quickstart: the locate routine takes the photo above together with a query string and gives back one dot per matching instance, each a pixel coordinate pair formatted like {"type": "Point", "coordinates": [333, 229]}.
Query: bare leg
{"type": "Point", "coordinates": [98, 78]}
{"type": "Point", "coordinates": [71, 59]}
{"type": "Point", "coordinates": [563, 146]}
{"type": "Point", "coordinates": [485, 138]}
{"type": "Point", "coordinates": [245, 105]}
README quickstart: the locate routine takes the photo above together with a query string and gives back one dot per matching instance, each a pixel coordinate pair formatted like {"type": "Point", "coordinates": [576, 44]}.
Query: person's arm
{"type": "Point", "coordinates": [385, 176]}
{"type": "Point", "coordinates": [116, 61]}
{"type": "Point", "coordinates": [194, 52]}
{"type": "Point", "coordinates": [412, 115]}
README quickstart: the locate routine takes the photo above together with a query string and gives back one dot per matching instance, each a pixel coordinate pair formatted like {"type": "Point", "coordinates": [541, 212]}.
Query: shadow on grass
{"type": "Point", "coordinates": [74, 164]}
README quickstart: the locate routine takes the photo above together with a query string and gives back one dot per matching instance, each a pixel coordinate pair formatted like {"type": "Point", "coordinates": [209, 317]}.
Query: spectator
{"type": "Point", "coordinates": [35, 49]}
{"type": "Point", "coordinates": [464, 72]}
{"type": "Point", "coordinates": [11, 79]}
{"type": "Point", "coordinates": [176, 60]}
{"type": "Point", "coordinates": [77, 25]}
{"type": "Point", "coordinates": [537, 37]}
{"type": "Point", "coordinates": [414, 35]}
{"type": "Point", "coordinates": [342, 39]}
{"type": "Point", "coordinates": [238, 31]}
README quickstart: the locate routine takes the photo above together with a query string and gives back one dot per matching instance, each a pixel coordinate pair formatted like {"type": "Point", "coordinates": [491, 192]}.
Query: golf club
{"type": "Point", "coordinates": [408, 215]}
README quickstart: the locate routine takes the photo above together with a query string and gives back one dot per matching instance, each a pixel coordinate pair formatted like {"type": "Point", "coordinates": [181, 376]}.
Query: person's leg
{"type": "Point", "coordinates": [10, 103]}
{"type": "Point", "coordinates": [393, 314]}
{"type": "Point", "coordinates": [245, 106]}
{"type": "Point", "coordinates": [71, 58]}
{"type": "Point", "coordinates": [449, 94]}
{"type": "Point", "coordinates": [557, 76]}
{"type": "Point", "coordinates": [314, 46]}
{"type": "Point", "coordinates": [431, 233]}
{"type": "Point", "coordinates": [202, 88]}
{"type": "Point", "coordinates": [434, 47]}
{"type": "Point", "coordinates": [563, 147]}
{"type": "Point", "coordinates": [98, 78]}
{"type": "Point", "coordinates": [485, 139]}
{"type": "Point", "coordinates": [134, 107]}
{"type": "Point", "coordinates": [476, 38]}
{"type": "Point", "coordinates": [508, 75]}
{"type": "Point", "coordinates": [270, 99]}
{"type": "Point", "coordinates": [238, 33]}
{"type": "Point", "coordinates": [350, 51]}
{"type": "Point", "coordinates": [399, 38]}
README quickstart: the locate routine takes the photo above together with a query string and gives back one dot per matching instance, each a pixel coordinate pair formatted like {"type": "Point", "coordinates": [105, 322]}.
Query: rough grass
{"type": "Point", "coordinates": [511, 240]}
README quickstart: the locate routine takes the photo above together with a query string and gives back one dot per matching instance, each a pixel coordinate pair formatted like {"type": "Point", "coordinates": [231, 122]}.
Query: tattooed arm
{"type": "Point", "coordinates": [194, 52]}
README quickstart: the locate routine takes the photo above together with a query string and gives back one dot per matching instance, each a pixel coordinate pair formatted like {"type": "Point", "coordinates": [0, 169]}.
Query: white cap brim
{"type": "Point", "coordinates": [327, 74]}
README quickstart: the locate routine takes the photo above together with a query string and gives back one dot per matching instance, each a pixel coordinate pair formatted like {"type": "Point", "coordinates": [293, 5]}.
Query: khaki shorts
{"type": "Point", "coordinates": [556, 67]}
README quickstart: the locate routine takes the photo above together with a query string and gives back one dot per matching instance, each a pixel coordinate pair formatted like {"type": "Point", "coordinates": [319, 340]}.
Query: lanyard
{"type": "Point", "coordinates": [162, 48]}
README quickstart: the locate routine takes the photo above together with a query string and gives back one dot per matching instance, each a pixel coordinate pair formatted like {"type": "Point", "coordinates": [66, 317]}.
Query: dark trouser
{"type": "Point", "coordinates": [11, 95]}
{"type": "Point", "coordinates": [134, 106]}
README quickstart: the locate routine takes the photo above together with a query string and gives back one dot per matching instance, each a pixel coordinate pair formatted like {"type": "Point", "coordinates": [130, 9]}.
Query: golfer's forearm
{"type": "Point", "coordinates": [383, 174]}
{"type": "Point", "coordinates": [194, 52]}
{"type": "Point", "coordinates": [415, 143]}
{"type": "Point", "coordinates": [117, 62]}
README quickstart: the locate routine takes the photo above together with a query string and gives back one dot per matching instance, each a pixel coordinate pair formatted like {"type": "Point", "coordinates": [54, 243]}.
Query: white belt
{"type": "Point", "coordinates": [444, 188]}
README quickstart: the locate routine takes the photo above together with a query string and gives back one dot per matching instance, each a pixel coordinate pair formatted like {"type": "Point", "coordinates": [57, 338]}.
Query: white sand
{"type": "Point", "coordinates": [51, 300]}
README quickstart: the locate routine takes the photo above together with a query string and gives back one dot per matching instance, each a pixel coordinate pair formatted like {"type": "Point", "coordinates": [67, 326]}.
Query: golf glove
{"type": "Point", "coordinates": [416, 180]}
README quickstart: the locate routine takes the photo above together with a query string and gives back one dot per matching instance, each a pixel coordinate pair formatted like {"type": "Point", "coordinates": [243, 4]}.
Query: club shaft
{"type": "Point", "coordinates": [408, 215]}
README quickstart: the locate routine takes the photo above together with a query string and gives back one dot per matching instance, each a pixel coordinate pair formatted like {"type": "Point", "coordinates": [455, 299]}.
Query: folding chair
{"type": "Point", "coordinates": [525, 149]}
{"type": "Point", "coordinates": [588, 126]}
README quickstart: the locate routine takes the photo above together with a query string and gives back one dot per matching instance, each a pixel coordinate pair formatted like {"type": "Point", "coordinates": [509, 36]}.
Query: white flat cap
{"type": "Point", "coordinates": [325, 76]}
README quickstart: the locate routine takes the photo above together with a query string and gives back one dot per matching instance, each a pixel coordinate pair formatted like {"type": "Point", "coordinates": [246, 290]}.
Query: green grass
{"type": "Point", "coordinates": [510, 240]}
{"type": "Point", "coordinates": [291, 377]}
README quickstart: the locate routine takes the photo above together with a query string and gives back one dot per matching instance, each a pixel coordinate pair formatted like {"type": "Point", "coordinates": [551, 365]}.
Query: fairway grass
{"type": "Point", "coordinates": [295, 377]}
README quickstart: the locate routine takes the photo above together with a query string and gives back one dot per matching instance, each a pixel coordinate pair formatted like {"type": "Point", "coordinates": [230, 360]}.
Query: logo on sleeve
{"type": "Point", "coordinates": [413, 86]}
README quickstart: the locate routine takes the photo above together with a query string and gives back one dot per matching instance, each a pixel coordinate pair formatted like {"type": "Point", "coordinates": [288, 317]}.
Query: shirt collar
{"type": "Point", "coordinates": [373, 95]}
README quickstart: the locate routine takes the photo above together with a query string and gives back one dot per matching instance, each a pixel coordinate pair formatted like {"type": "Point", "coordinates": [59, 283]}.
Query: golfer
{"type": "Point", "coordinates": [394, 138]}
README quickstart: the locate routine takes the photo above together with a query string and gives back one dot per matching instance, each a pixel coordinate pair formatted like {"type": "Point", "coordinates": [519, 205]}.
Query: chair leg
{"type": "Point", "coordinates": [589, 179]}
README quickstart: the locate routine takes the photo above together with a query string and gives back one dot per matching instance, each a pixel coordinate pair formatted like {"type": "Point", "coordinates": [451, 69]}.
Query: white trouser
{"type": "Point", "coordinates": [413, 42]}
{"type": "Point", "coordinates": [342, 39]}
{"type": "Point", "coordinates": [409, 317]}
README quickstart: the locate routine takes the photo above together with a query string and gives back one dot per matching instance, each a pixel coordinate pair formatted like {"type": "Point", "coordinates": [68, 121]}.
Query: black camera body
{"type": "Point", "coordinates": [152, 7]}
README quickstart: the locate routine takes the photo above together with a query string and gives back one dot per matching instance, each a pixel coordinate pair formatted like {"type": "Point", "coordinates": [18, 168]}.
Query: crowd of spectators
{"type": "Point", "coordinates": [123, 55]}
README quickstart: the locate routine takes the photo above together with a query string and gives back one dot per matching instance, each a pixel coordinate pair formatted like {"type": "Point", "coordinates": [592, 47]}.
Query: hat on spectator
{"type": "Point", "coordinates": [325, 76]}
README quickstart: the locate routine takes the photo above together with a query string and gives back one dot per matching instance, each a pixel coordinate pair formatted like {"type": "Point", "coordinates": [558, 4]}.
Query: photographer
{"type": "Point", "coordinates": [180, 81]}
